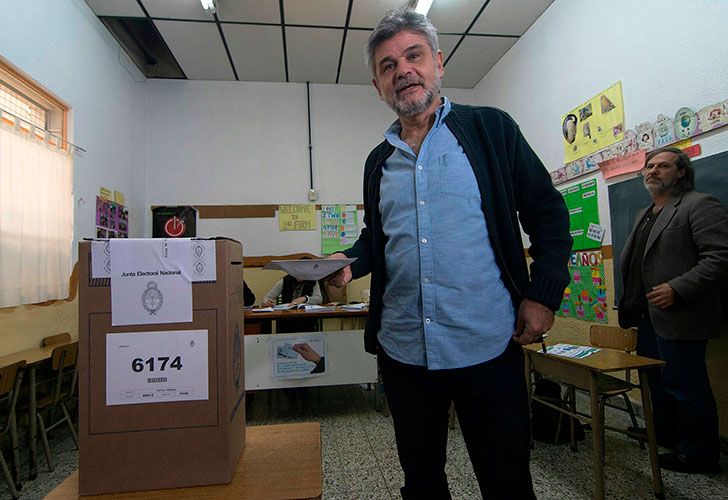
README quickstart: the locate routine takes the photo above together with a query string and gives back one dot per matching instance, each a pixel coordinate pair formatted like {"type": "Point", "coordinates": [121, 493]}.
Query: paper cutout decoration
{"type": "Point", "coordinates": [664, 129]}
{"type": "Point", "coordinates": [686, 123]}
{"type": "Point", "coordinates": [645, 136]}
{"type": "Point", "coordinates": [711, 117]}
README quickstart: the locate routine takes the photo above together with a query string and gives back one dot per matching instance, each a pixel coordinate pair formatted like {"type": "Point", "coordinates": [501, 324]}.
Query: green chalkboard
{"type": "Point", "coordinates": [628, 197]}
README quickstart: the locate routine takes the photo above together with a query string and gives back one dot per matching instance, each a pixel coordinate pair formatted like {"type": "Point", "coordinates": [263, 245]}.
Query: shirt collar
{"type": "Point", "coordinates": [440, 113]}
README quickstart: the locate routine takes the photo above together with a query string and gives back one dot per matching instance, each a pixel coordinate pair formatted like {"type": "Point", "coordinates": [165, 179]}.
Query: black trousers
{"type": "Point", "coordinates": [491, 402]}
{"type": "Point", "coordinates": [685, 412]}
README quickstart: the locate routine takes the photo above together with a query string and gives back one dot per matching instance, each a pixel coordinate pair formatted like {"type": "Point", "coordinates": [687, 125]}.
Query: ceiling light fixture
{"type": "Point", "coordinates": [422, 6]}
{"type": "Point", "coordinates": [209, 5]}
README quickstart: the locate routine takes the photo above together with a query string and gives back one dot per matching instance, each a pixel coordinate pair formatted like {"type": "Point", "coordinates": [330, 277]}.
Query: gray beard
{"type": "Point", "coordinates": [417, 107]}
{"type": "Point", "coordinates": [660, 188]}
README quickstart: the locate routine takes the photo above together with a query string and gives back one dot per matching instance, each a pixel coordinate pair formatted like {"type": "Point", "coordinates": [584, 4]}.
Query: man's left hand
{"type": "Point", "coordinates": [662, 296]}
{"type": "Point", "coordinates": [533, 320]}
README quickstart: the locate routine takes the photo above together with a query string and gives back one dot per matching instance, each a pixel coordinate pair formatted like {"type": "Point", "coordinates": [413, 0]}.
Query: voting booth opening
{"type": "Point", "coordinates": [161, 375]}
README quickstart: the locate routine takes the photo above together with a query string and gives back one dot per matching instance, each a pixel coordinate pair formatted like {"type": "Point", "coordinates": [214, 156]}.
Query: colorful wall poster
{"type": "Point", "coordinates": [339, 228]}
{"type": "Point", "coordinates": [297, 217]}
{"type": "Point", "coordinates": [583, 205]}
{"type": "Point", "coordinates": [594, 124]}
{"type": "Point", "coordinates": [112, 219]}
{"type": "Point", "coordinates": [586, 296]}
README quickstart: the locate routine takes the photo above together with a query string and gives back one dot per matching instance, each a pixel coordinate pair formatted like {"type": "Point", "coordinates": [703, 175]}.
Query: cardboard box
{"type": "Point", "coordinates": [134, 447]}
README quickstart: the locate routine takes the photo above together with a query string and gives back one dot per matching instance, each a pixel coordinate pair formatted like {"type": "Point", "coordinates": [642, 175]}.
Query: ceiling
{"type": "Point", "coordinates": [321, 41]}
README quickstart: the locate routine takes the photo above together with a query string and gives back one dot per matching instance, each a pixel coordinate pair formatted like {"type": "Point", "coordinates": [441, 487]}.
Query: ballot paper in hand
{"type": "Point", "coordinates": [309, 269]}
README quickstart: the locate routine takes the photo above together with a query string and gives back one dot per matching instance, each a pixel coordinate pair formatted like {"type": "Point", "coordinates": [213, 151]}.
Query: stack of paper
{"type": "Point", "coordinates": [571, 351]}
{"type": "Point", "coordinates": [354, 307]}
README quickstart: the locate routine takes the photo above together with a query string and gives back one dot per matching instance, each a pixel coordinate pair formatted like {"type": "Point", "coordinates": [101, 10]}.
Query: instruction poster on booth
{"type": "Point", "coordinates": [151, 281]}
{"type": "Point", "coordinates": [298, 357]}
{"type": "Point", "coordinates": [156, 367]}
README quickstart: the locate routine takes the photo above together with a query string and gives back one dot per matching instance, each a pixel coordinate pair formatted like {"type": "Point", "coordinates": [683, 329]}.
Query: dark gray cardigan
{"type": "Point", "coordinates": [514, 185]}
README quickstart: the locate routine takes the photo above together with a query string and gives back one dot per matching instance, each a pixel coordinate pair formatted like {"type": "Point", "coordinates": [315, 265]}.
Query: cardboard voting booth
{"type": "Point", "coordinates": [162, 404]}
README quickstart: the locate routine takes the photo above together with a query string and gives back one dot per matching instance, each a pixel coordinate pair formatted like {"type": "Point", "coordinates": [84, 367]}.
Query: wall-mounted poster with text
{"type": "Point", "coordinates": [339, 228]}
{"type": "Point", "coordinates": [594, 124]}
{"type": "Point", "coordinates": [583, 205]}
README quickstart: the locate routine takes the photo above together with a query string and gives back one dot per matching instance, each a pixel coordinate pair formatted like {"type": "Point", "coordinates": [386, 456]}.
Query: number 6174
{"type": "Point", "coordinates": [159, 363]}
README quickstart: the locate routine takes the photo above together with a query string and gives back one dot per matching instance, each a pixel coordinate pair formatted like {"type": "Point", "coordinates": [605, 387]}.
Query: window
{"type": "Point", "coordinates": [23, 101]}
{"type": "Point", "coordinates": [36, 199]}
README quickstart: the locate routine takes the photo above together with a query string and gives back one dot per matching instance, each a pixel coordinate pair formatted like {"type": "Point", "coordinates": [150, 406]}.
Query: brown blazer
{"type": "Point", "coordinates": [687, 248]}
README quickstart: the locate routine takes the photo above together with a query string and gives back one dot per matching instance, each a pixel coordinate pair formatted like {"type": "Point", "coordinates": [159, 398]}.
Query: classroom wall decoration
{"type": "Point", "coordinates": [663, 132]}
{"type": "Point", "coordinates": [594, 124]}
{"type": "Point", "coordinates": [339, 228]}
{"type": "Point", "coordinates": [582, 203]}
{"type": "Point", "coordinates": [112, 219]}
{"type": "Point", "coordinates": [297, 217]}
{"type": "Point", "coordinates": [586, 296]}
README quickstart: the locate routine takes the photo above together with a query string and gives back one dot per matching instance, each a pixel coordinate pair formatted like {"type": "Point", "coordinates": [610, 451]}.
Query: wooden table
{"type": "Point", "coordinates": [278, 462]}
{"type": "Point", "coordinates": [33, 358]}
{"type": "Point", "coordinates": [257, 323]}
{"type": "Point", "coordinates": [583, 373]}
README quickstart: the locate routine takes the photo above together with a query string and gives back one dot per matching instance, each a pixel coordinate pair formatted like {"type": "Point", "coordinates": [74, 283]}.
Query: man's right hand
{"type": "Point", "coordinates": [342, 276]}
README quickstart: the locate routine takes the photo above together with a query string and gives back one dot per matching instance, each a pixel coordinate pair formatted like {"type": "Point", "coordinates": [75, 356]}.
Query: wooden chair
{"type": "Point", "coordinates": [62, 390]}
{"type": "Point", "coordinates": [613, 337]}
{"type": "Point", "coordinates": [61, 338]}
{"type": "Point", "coordinates": [607, 337]}
{"type": "Point", "coordinates": [607, 387]}
{"type": "Point", "coordinates": [10, 379]}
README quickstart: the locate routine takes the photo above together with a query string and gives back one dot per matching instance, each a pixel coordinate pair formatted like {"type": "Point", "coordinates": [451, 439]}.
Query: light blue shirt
{"type": "Point", "coordinates": [445, 305]}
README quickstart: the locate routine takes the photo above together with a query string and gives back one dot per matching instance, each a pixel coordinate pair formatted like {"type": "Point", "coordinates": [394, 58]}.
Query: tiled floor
{"type": "Point", "coordinates": [360, 460]}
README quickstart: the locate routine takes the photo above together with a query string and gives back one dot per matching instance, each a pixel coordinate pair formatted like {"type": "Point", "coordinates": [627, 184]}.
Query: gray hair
{"type": "Point", "coordinates": [682, 162]}
{"type": "Point", "coordinates": [397, 20]}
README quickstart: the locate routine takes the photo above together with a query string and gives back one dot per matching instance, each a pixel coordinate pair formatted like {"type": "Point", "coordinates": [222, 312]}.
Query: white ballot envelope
{"type": "Point", "coordinates": [309, 269]}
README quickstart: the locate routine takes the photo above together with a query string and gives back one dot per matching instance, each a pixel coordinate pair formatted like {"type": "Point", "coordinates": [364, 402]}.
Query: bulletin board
{"type": "Point", "coordinates": [112, 219]}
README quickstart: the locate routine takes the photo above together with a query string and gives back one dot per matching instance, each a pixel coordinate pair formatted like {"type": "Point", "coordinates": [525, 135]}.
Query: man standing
{"type": "Point", "coordinates": [674, 264]}
{"type": "Point", "coordinates": [451, 296]}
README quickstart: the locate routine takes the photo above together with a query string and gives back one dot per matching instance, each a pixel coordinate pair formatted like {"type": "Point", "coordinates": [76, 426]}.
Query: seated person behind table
{"type": "Point", "coordinates": [248, 295]}
{"type": "Point", "coordinates": [294, 292]}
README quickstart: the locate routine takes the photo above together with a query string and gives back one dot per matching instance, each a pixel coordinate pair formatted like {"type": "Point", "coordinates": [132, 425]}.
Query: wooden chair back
{"type": "Point", "coordinates": [613, 337]}
{"type": "Point", "coordinates": [61, 338]}
{"type": "Point", "coordinates": [64, 356]}
{"type": "Point", "coordinates": [8, 376]}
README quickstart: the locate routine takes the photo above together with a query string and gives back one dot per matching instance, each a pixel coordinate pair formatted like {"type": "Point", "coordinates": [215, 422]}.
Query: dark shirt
{"type": "Point", "coordinates": [634, 289]}
{"type": "Point", "coordinates": [248, 295]}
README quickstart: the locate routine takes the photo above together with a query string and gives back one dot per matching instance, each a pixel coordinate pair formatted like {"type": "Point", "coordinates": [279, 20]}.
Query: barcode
{"type": "Point", "coordinates": [156, 380]}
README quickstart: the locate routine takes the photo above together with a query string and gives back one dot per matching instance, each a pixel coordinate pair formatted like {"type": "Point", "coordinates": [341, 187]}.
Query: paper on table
{"type": "Point", "coordinates": [262, 309]}
{"type": "Point", "coordinates": [354, 307]}
{"type": "Point", "coordinates": [309, 269]}
{"type": "Point", "coordinates": [571, 351]}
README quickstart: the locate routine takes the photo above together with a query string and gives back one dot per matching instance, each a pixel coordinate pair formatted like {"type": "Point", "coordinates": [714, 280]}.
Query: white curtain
{"type": "Point", "coordinates": [36, 219]}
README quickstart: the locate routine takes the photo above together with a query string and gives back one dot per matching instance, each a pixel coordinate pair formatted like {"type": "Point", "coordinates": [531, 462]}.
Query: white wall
{"type": "Point", "coordinates": [667, 53]}
{"type": "Point", "coordinates": [212, 143]}
{"type": "Point", "coordinates": [63, 46]}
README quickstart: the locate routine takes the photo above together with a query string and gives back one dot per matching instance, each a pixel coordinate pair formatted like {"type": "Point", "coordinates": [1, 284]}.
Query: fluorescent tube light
{"type": "Point", "coordinates": [208, 5]}
{"type": "Point", "coordinates": [422, 7]}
